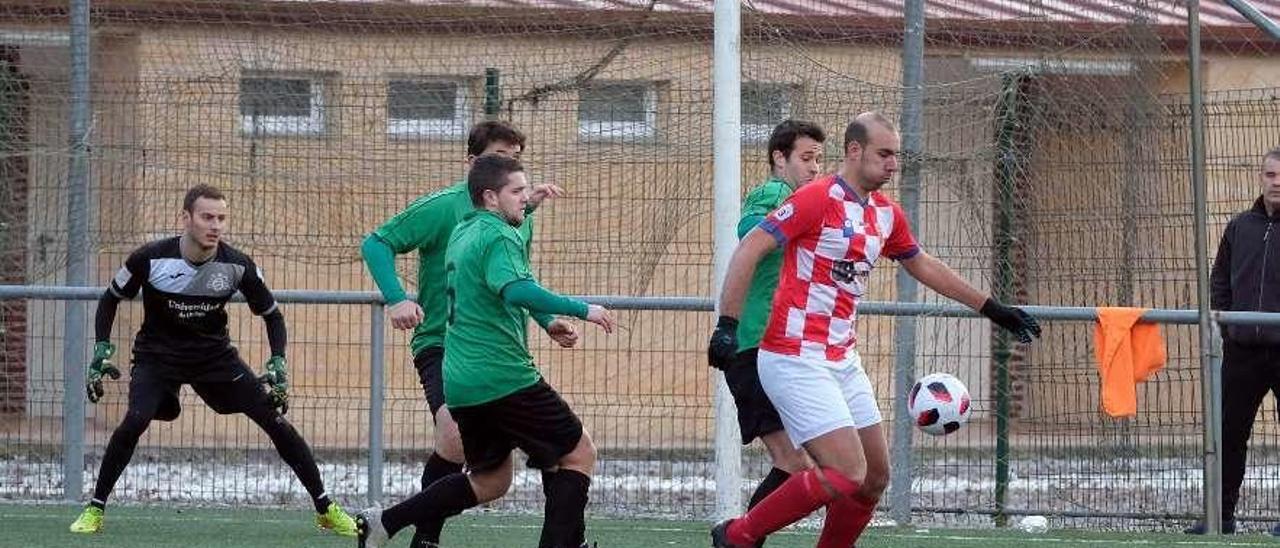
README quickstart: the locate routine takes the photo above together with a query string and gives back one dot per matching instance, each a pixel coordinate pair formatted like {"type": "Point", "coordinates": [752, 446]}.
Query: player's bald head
{"type": "Point", "coordinates": [859, 130]}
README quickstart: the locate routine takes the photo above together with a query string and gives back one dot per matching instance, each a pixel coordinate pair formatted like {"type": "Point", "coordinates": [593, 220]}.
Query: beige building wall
{"type": "Point", "coordinates": [636, 220]}
{"type": "Point", "coordinates": [45, 69]}
{"type": "Point", "coordinates": [1077, 244]}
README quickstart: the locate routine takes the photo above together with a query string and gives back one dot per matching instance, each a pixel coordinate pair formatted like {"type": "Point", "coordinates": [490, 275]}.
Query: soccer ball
{"type": "Point", "coordinates": [940, 404]}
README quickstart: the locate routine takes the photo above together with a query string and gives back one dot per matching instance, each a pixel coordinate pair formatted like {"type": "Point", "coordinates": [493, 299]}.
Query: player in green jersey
{"type": "Point", "coordinates": [795, 158]}
{"type": "Point", "coordinates": [495, 393]}
{"type": "Point", "coordinates": [425, 226]}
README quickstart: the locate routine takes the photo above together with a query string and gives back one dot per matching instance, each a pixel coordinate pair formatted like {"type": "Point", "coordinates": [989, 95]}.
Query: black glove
{"type": "Point", "coordinates": [724, 343]}
{"type": "Point", "coordinates": [1016, 320]}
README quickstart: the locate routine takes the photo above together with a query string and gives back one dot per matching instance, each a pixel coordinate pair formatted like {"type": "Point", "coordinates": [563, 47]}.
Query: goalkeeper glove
{"type": "Point", "coordinates": [1015, 319]}
{"type": "Point", "coordinates": [277, 378]}
{"type": "Point", "coordinates": [724, 343]}
{"type": "Point", "coordinates": [100, 366]}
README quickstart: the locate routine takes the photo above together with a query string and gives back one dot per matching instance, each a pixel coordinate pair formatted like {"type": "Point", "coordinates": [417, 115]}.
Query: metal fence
{"type": "Point", "coordinates": [1142, 472]}
{"type": "Point", "coordinates": [1049, 158]}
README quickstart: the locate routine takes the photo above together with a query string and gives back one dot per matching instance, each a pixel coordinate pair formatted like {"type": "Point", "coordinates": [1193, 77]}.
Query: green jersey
{"type": "Point", "coordinates": [759, 203]}
{"type": "Point", "coordinates": [425, 226]}
{"type": "Point", "coordinates": [486, 356]}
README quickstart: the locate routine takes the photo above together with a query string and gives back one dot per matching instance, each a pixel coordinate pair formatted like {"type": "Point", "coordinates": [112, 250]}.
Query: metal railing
{"type": "Point", "coordinates": [376, 458]}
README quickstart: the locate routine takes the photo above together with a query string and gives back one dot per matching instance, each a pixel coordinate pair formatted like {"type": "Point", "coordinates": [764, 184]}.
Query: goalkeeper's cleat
{"type": "Point", "coordinates": [370, 532]}
{"type": "Point", "coordinates": [337, 520]}
{"type": "Point", "coordinates": [90, 521]}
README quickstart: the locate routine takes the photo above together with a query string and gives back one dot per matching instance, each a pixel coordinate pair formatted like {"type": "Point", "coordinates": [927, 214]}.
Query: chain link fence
{"type": "Point", "coordinates": [321, 119]}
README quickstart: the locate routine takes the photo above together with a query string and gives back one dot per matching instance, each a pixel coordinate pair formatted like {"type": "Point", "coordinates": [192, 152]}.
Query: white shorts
{"type": "Point", "coordinates": [809, 395]}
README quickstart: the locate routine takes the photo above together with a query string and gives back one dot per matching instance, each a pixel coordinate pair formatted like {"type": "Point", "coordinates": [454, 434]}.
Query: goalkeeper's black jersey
{"type": "Point", "coordinates": [184, 304]}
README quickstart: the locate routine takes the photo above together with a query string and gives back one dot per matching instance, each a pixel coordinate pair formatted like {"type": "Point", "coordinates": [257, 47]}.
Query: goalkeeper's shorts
{"type": "Point", "coordinates": [153, 391]}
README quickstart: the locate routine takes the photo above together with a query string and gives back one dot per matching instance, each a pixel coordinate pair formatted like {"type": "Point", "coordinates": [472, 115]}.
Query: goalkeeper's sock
{"type": "Point", "coordinates": [446, 498]}
{"type": "Point", "coordinates": [322, 503]}
{"type": "Point", "coordinates": [118, 453]}
{"type": "Point", "coordinates": [293, 450]}
{"type": "Point", "coordinates": [99, 504]}
{"type": "Point", "coordinates": [847, 517]}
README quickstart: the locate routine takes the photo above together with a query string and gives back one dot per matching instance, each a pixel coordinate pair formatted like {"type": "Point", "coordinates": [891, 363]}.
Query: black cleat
{"type": "Point", "coordinates": [720, 536]}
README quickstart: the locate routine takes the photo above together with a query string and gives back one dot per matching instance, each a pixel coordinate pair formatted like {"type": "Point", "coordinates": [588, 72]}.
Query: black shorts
{"type": "Point", "coordinates": [756, 414]}
{"type": "Point", "coordinates": [535, 419]}
{"type": "Point", "coordinates": [430, 365]}
{"type": "Point", "coordinates": [153, 390]}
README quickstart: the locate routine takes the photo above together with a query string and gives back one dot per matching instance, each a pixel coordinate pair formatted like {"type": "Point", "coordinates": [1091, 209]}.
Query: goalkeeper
{"type": "Point", "coordinates": [185, 283]}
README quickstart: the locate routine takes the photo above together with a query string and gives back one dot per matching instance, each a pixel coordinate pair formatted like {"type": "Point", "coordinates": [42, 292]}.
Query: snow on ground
{"type": "Point", "coordinates": [639, 488]}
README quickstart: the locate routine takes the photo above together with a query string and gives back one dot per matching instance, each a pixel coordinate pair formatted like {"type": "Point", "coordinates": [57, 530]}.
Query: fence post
{"type": "Point", "coordinates": [1213, 424]}
{"type": "Point", "coordinates": [73, 351]}
{"type": "Point", "coordinates": [1212, 457]}
{"type": "Point", "coordinates": [907, 287]}
{"type": "Point", "coordinates": [492, 93]}
{"type": "Point", "coordinates": [376, 382]}
{"type": "Point", "coordinates": [1007, 171]}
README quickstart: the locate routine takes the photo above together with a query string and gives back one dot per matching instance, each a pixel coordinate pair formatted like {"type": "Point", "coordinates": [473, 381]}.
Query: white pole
{"type": "Point", "coordinates": [727, 151]}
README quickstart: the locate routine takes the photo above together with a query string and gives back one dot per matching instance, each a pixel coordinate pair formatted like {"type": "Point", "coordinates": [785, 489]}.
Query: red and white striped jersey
{"type": "Point", "coordinates": [831, 239]}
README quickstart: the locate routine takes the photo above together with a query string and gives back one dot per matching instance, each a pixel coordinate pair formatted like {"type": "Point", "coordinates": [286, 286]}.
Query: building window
{"type": "Point", "coordinates": [618, 110]}
{"type": "Point", "coordinates": [427, 107]}
{"type": "Point", "coordinates": [281, 105]}
{"type": "Point", "coordinates": [764, 106]}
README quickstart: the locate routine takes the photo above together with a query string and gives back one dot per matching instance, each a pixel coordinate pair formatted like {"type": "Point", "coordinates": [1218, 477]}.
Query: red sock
{"type": "Point", "coordinates": [796, 498]}
{"type": "Point", "coordinates": [847, 517]}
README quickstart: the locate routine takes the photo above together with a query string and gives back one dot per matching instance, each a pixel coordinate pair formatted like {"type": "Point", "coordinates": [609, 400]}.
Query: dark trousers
{"type": "Point", "coordinates": [1248, 373]}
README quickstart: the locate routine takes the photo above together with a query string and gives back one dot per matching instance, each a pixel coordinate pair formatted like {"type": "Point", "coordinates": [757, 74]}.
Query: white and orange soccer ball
{"type": "Point", "coordinates": [939, 403]}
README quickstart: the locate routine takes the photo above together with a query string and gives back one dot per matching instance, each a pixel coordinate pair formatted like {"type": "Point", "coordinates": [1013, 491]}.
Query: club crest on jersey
{"type": "Point", "coordinates": [219, 282]}
{"type": "Point", "coordinates": [851, 275]}
{"type": "Point", "coordinates": [783, 213]}
{"type": "Point", "coordinates": [848, 228]}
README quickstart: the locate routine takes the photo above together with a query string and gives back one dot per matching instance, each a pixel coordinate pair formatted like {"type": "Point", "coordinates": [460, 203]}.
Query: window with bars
{"type": "Point", "coordinates": [432, 107]}
{"type": "Point", "coordinates": [614, 110]}
{"type": "Point", "coordinates": [273, 104]}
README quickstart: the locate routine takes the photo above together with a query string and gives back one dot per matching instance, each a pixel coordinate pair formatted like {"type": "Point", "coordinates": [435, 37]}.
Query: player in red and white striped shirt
{"type": "Point", "coordinates": [832, 232]}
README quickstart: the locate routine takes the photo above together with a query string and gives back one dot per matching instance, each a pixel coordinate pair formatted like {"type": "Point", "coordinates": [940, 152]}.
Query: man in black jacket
{"type": "Point", "coordinates": [1246, 277]}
